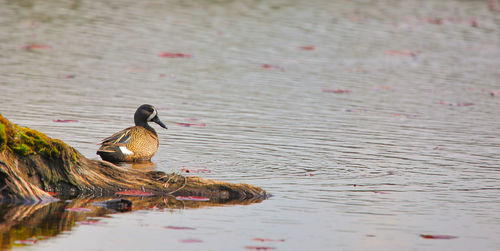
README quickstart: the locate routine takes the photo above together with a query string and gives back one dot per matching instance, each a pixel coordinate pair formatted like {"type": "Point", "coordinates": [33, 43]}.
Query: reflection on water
{"type": "Point", "coordinates": [26, 224]}
{"type": "Point", "coordinates": [371, 123]}
{"type": "Point", "coordinates": [140, 165]}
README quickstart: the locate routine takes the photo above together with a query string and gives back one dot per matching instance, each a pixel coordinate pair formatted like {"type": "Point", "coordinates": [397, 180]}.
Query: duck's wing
{"type": "Point", "coordinates": [118, 139]}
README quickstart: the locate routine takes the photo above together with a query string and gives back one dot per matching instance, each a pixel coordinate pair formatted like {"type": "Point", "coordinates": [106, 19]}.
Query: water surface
{"type": "Point", "coordinates": [411, 147]}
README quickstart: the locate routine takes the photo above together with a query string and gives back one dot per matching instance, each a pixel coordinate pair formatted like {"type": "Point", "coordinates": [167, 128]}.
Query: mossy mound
{"type": "Point", "coordinates": [33, 166]}
{"type": "Point", "coordinates": [25, 141]}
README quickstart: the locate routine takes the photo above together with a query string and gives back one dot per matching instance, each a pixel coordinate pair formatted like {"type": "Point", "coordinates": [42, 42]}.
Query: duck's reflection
{"type": "Point", "coordinates": [139, 165]}
{"type": "Point", "coordinates": [26, 224]}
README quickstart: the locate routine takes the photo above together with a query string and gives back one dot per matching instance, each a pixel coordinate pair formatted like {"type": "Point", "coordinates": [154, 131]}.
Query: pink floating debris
{"type": "Point", "coordinates": [473, 23]}
{"type": "Point", "coordinates": [88, 222]}
{"type": "Point", "coordinates": [434, 21]}
{"type": "Point", "coordinates": [382, 87]}
{"type": "Point", "coordinates": [402, 53]}
{"type": "Point", "coordinates": [336, 90]}
{"type": "Point", "coordinates": [308, 47]}
{"type": "Point", "coordinates": [174, 55]}
{"type": "Point", "coordinates": [29, 47]}
{"type": "Point", "coordinates": [77, 209]}
{"type": "Point", "coordinates": [268, 240]}
{"type": "Point", "coordinates": [190, 124]}
{"type": "Point", "coordinates": [192, 198]}
{"type": "Point", "coordinates": [438, 237]}
{"type": "Point", "coordinates": [259, 248]}
{"type": "Point", "coordinates": [272, 67]}
{"type": "Point", "coordinates": [33, 24]}
{"type": "Point", "coordinates": [494, 93]}
{"type": "Point", "coordinates": [492, 5]}
{"type": "Point", "coordinates": [134, 193]}
{"type": "Point", "coordinates": [190, 241]}
{"type": "Point", "coordinates": [190, 170]}
{"type": "Point", "coordinates": [69, 76]}
{"type": "Point", "coordinates": [30, 241]}
{"type": "Point", "coordinates": [64, 120]}
{"type": "Point", "coordinates": [179, 228]}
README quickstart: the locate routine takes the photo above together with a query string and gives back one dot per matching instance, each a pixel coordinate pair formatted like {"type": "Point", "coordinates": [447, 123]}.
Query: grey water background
{"type": "Point", "coordinates": [412, 149]}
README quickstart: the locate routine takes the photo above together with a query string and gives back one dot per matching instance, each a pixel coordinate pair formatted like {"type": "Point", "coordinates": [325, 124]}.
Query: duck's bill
{"type": "Point", "coordinates": [158, 121]}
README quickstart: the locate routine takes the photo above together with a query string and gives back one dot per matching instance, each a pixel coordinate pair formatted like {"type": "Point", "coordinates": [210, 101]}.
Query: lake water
{"type": "Point", "coordinates": [370, 122]}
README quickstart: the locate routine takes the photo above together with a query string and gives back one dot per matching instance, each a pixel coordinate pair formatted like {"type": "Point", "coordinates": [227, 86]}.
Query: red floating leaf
{"type": "Point", "coordinates": [190, 241]}
{"type": "Point", "coordinates": [179, 228]}
{"type": "Point", "coordinates": [272, 67]}
{"type": "Point", "coordinates": [336, 90]}
{"type": "Point", "coordinates": [199, 170]}
{"type": "Point", "coordinates": [78, 209]}
{"type": "Point", "coordinates": [465, 104]}
{"type": "Point", "coordinates": [134, 193]}
{"type": "Point", "coordinates": [174, 55]}
{"type": "Point", "coordinates": [259, 248]}
{"type": "Point", "coordinates": [438, 237]}
{"type": "Point", "coordinates": [401, 53]}
{"type": "Point", "coordinates": [64, 120]}
{"type": "Point", "coordinates": [70, 76]}
{"type": "Point", "coordinates": [268, 240]}
{"type": "Point", "coordinates": [308, 48]}
{"type": "Point", "coordinates": [189, 124]}
{"type": "Point", "coordinates": [473, 23]}
{"type": "Point", "coordinates": [434, 21]}
{"type": "Point", "coordinates": [492, 5]}
{"type": "Point", "coordinates": [192, 198]}
{"type": "Point", "coordinates": [88, 222]}
{"type": "Point", "coordinates": [36, 47]}
{"type": "Point", "coordinates": [382, 87]}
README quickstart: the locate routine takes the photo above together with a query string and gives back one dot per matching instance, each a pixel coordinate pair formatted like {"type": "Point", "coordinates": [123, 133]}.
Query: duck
{"type": "Point", "coordinates": [136, 143]}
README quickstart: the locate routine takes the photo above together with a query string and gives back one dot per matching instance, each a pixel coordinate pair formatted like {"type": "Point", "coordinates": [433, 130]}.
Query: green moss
{"type": "Point", "coordinates": [3, 137]}
{"type": "Point", "coordinates": [25, 141]}
{"type": "Point", "coordinates": [74, 158]}
{"type": "Point", "coordinates": [22, 149]}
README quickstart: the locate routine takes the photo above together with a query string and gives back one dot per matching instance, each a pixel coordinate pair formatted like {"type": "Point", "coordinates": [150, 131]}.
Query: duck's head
{"type": "Point", "coordinates": [146, 113]}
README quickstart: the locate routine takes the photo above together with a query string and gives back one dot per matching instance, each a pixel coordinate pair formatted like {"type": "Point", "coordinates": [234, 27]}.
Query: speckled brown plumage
{"type": "Point", "coordinates": [137, 143]}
